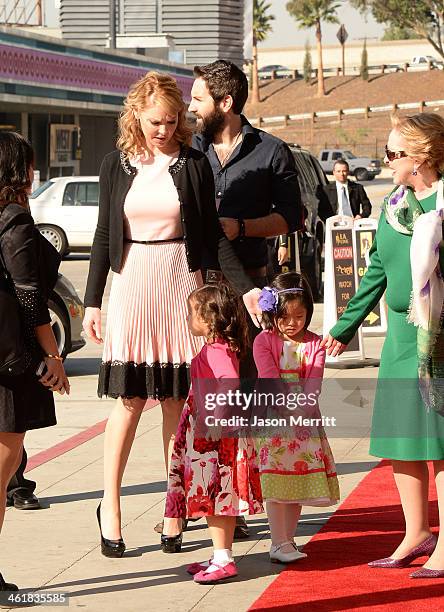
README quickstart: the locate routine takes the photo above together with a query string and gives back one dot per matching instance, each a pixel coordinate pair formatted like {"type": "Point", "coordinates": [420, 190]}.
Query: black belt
{"type": "Point", "coordinates": [154, 241]}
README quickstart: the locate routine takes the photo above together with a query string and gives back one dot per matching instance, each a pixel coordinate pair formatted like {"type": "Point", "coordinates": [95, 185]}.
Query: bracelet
{"type": "Point", "coordinates": [241, 229]}
{"type": "Point", "coordinates": [57, 357]}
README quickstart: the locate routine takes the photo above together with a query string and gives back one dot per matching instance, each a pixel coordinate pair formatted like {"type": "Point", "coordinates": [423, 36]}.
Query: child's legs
{"type": "Point", "coordinates": [222, 531]}
{"type": "Point", "coordinates": [277, 519]}
{"type": "Point", "coordinates": [292, 514]}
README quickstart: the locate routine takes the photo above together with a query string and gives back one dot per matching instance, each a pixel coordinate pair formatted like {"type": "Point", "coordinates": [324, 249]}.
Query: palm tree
{"type": "Point", "coordinates": [310, 14]}
{"type": "Point", "coordinates": [261, 27]}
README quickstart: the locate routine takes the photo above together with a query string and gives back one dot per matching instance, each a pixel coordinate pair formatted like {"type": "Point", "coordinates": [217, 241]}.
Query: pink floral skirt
{"type": "Point", "coordinates": [211, 477]}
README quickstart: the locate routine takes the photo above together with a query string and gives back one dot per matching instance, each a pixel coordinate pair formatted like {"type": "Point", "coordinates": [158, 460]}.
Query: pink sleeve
{"type": "Point", "coordinates": [221, 361]}
{"type": "Point", "coordinates": [313, 383]}
{"type": "Point", "coordinates": [263, 357]}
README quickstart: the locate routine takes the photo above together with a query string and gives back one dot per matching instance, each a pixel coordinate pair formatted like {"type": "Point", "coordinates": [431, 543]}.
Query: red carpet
{"type": "Point", "coordinates": [335, 576]}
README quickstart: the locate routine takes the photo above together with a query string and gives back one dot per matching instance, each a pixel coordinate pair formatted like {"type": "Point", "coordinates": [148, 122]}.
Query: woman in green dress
{"type": "Point", "coordinates": [408, 427]}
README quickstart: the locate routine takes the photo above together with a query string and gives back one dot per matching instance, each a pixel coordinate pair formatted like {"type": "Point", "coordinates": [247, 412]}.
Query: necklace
{"type": "Point", "coordinates": [230, 150]}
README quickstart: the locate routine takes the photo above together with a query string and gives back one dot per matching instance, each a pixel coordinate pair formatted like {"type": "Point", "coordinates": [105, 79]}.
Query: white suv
{"type": "Point", "coordinates": [65, 211]}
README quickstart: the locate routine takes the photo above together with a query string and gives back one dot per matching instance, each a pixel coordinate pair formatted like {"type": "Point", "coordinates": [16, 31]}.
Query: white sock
{"type": "Point", "coordinates": [222, 556]}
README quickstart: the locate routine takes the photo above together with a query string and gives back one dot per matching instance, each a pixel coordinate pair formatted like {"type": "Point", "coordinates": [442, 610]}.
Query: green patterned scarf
{"type": "Point", "coordinates": [405, 214]}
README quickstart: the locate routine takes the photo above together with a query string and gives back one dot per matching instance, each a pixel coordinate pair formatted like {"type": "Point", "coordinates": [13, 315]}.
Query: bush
{"type": "Point", "coordinates": [364, 62]}
{"type": "Point", "coordinates": [308, 66]}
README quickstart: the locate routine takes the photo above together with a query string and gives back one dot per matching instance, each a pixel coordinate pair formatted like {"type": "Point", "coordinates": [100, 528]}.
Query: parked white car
{"type": "Point", "coordinates": [65, 210]}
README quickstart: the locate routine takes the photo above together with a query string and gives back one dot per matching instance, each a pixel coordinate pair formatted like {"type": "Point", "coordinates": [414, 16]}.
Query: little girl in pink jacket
{"type": "Point", "coordinates": [296, 467]}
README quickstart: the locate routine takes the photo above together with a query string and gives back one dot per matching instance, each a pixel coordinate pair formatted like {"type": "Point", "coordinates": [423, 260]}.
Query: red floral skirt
{"type": "Point", "coordinates": [211, 477]}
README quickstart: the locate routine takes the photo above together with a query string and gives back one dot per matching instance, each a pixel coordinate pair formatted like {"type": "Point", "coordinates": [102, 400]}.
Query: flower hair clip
{"type": "Point", "coordinates": [269, 297]}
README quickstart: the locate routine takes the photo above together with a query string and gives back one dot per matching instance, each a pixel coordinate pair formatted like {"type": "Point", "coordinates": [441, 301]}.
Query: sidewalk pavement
{"type": "Point", "coordinates": [58, 549]}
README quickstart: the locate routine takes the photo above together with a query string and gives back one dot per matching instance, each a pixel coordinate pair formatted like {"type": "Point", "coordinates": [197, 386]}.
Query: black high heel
{"type": "Point", "coordinates": [110, 548]}
{"type": "Point", "coordinates": [7, 586]}
{"type": "Point", "coordinates": [171, 544]}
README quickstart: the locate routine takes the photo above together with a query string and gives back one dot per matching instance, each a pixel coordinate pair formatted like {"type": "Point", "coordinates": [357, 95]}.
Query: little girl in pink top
{"type": "Point", "coordinates": [296, 468]}
{"type": "Point", "coordinates": [212, 476]}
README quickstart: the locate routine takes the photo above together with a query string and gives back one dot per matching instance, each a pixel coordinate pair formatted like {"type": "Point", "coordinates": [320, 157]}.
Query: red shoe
{"type": "Point", "coordinates": [223, 573]}
{"type": "Point", "coordinates": [195, 568]}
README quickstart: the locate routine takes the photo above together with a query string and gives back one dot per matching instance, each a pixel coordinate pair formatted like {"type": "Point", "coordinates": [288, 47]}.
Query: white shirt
{"type": "Point", "coordinates": [344, 208]}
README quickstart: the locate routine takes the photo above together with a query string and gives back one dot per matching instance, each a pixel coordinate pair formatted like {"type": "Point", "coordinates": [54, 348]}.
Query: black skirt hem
{"type": "Point", "coordinates": [129, 380]}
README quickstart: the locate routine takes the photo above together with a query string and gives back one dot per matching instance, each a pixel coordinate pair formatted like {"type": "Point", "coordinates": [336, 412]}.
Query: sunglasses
{"type": "Point", "coordinates": [391, 155]}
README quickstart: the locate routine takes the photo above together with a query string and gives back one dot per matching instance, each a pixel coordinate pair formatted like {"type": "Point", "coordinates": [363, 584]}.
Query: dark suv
{"type": "Point", "coordinates": [311, 240]}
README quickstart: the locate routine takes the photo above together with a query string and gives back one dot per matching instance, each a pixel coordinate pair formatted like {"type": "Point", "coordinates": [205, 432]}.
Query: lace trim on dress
{"type": "Point", "coordinates": [154, 380]}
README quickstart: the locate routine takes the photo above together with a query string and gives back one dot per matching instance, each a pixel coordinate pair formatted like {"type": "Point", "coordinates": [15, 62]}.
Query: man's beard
{"type": "Point", "coordinates": [212, 124]}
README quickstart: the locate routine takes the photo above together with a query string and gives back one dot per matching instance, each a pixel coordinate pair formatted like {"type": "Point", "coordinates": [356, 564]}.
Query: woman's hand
{"type": "Point", "coordinates": [251, 300]}
{"type": "Point", "coordinates": [55, 376]}
{"type": "Point", "coordinates": [333, 346]}
{"type": "Point", "coordinates": [92, 324]}
{"type": "Point", "coordinates": [282, 255]}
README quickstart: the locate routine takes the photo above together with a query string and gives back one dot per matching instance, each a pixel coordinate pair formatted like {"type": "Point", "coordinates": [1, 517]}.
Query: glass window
{"type": "Point", "coordinates": [69, 195]}
{"type": "Point", "coordinates": [324, 156]}
{"type": "Point", "coordinates": [81, 194]}
{"type": "Point", "coordinates": [336, 155]}
{"type": "Point", "coordinates": [349, 155]}
{"type": "Point", "coordinates": [41, 189]}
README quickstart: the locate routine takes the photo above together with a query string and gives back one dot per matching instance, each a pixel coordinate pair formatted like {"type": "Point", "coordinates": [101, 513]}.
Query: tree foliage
{"type": "Point", "coordinates": [261, 20]}
{"type": "Point", "coordinates": [311, 14]}
{"type": "Point", "coordinates": [308, 65]}
{"type": "Point", "coordinates": [424, 17]}
{"type": "Point", "coordinates": [393, 32]}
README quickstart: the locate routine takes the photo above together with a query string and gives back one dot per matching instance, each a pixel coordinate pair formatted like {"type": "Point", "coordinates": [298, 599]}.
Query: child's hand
{"type": "Point", "coordinates": [333, 346]}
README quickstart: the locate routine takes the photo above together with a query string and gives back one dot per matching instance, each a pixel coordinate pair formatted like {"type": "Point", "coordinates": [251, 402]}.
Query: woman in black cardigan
{"type": "Point", "coordinates": [157, 217]}
{"type": "Point", "coordinates": [26, 401]}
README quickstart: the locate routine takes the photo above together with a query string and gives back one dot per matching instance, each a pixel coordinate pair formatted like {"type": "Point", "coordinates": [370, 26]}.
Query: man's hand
{"type": "Point", "coordinates": [358, 217]}
{"type": "Point", "coordinates": [333, 346]}
{"type": "Point", "coordinates": [282, 255]}
{"type": "Point", "coordinates": [230, 227]}
{"type": "Point", "coordinates": [251, 300]}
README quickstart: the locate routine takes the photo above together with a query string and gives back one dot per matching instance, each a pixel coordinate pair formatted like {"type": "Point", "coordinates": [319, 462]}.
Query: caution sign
{"type": "Point", "coordinates": [340, 282]}
{"type": "Point", "coordinates": [364, 231]}
{"type": "Point", "coordinates": [344, 274]}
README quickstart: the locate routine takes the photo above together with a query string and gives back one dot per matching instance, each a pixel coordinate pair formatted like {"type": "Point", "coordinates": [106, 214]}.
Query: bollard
{"type": "Point", "coordinates": [295, 73]}
{"type": "Point", "coordinates": [366, 112]}
{"type": "Point", "coordinates": [338, 71]}
{"type": "Point", "coordinates": [383, 67]}
{"type": "Point", "coordinates": [340, 114]}
{"type": "Point", "coordinates": [421, 105]}
{"type": "Point", "coordinates": [273, 75]}
{"type": "Point", "coordinates": [313, 118]}
{"type": "Point", "coordinates": [406, 67]}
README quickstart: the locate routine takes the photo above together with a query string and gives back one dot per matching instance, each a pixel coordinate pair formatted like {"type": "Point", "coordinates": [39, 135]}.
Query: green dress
{"type": "Point", "coordinates": [401, 427]}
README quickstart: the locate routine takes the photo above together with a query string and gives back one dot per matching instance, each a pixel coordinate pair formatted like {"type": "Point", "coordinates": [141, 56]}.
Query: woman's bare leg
{"type": "Point", "coordinates": [119, 436]}
{"type": "Point", "coordinates": [412, 481]}
{"type": "Point", "coordinates": [11, 448]}
{"type": "Point", "coordinates": [171, 411]}
{"type": "Point", "coordinates": [436, 561]}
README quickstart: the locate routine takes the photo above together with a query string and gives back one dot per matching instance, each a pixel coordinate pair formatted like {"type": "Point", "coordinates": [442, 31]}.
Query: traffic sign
{"type": "Point", "coordinates": [342, 34]}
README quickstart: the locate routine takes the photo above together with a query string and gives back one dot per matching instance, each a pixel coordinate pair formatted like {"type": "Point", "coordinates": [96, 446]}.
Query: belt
{"type": "Point", "coordinates": [216, 276]}
{"type": "Point", "coordinates": [154, 241]}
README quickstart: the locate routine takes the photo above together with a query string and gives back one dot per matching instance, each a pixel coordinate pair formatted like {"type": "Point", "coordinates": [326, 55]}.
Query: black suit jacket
{"type": "Point", "coordinates": [359, 202]}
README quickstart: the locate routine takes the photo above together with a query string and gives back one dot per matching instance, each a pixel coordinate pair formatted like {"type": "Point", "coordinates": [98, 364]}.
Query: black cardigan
{"type": "Point", "coordinates": [193, 178]}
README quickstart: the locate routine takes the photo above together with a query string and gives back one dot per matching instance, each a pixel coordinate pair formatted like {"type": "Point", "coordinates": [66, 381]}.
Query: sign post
{"type": "Point", "coordinates": [342, 36]}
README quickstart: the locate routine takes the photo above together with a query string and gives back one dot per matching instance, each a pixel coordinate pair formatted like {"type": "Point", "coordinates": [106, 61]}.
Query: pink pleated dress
{"type": "Point", "coordinates": [148, 347]}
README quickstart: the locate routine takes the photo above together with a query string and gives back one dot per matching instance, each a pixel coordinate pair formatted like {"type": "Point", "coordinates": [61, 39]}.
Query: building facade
{"type": "Point", "coordinates": [66, 98]}
{"type": "Point", "coordinates": [204, 30]}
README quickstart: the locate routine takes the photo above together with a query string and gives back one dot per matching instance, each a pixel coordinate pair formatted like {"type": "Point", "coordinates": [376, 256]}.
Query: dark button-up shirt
{"type": "Point", "coordinates": [259, 178]}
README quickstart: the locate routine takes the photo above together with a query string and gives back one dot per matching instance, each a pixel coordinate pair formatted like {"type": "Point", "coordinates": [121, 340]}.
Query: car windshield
{"type": "Point", "coordinates": [349, 155]}
{"type": "Point", "coordinates": [41, 189]}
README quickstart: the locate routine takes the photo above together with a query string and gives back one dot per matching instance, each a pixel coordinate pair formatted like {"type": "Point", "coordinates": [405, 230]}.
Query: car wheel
{"type": "Point", "coordinates": [361, 174]}
{"type": "Point", "coordinates": [56, 237]}
{"type": "Point", "coordinates": [60, 327]}
{"type": "Point", "coordinates": [314, 272]}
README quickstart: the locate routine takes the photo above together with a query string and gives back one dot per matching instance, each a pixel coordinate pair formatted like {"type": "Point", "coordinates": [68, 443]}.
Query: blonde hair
{"type": "Point", "coordinates": [424, 135]}
{"type": "Point", "coordinates": [153, 88]}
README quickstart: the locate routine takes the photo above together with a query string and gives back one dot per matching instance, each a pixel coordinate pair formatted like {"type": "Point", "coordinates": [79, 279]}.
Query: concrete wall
{"type": "Point", "coordinates": [390, 52]}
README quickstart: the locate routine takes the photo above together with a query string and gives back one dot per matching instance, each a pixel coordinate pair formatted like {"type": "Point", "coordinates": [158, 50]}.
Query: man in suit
{"type": "Point", "coordinates": [344, 197]}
